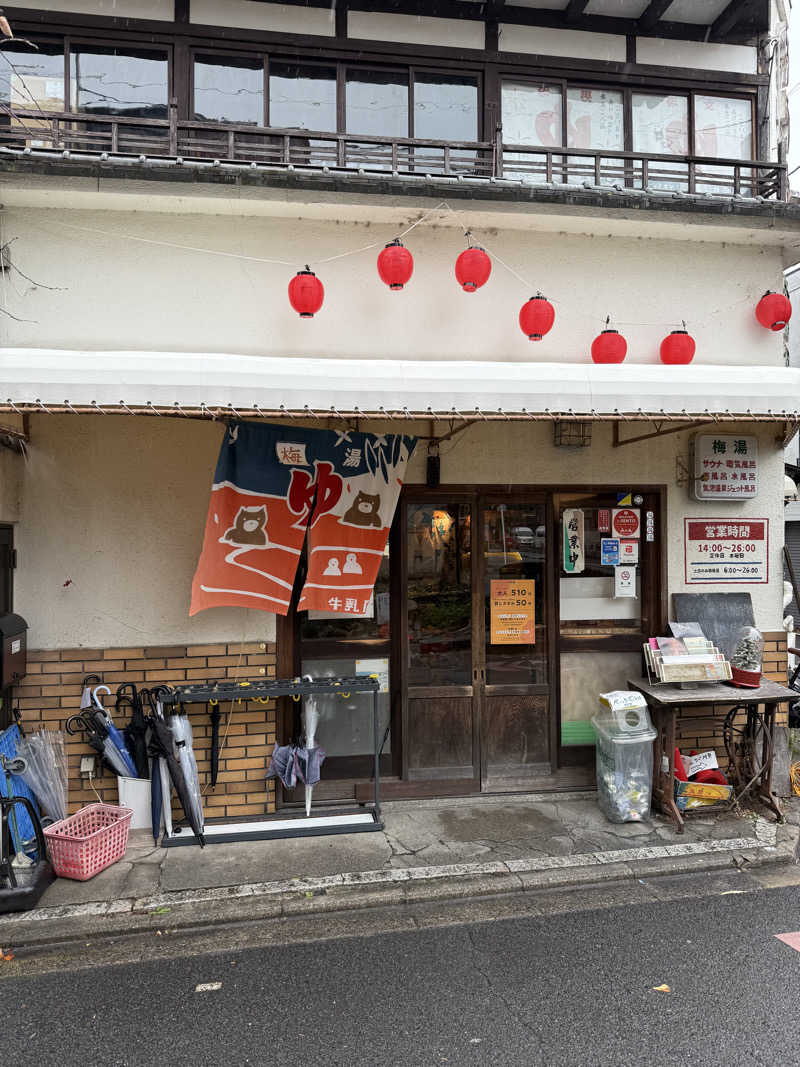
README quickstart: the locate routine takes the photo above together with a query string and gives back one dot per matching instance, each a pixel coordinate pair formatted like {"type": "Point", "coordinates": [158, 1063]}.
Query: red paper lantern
{"type": "Point", "coordinates": [306, 293]}
{"type": "Point", "coordinates": [536, 317]}
{"type": "Point", "coordinates": [678, 347]}
{"type": "Point", "coordinates": [773, 311]}
{"type": "Point", "coordinates": [473, 268]}
{"type": "Point", "coordinates": [395, 264]}
{"type": "Point", "coordinates": [609, 347]}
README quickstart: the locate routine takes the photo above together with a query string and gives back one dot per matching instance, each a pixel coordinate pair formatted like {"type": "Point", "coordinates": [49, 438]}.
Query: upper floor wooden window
{"type": "Point", "coordinates": [119, 81]}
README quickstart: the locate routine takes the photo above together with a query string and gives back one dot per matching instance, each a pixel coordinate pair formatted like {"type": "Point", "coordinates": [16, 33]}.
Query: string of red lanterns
{"type": "Point", "coordinates": [536, 317]}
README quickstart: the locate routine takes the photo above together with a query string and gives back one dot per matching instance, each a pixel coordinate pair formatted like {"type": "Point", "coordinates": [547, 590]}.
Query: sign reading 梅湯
{"type": "Point", "coordinates": [725, 467]}
{"type": "Point", "coordinates": [729, 551]}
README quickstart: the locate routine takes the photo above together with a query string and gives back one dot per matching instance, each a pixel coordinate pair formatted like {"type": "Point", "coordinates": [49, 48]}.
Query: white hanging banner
{"type": "Point", "coordinates": [574, 560]}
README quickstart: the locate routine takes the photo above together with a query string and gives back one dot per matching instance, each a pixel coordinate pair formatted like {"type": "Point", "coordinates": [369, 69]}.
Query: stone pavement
{"type": "Point", "coordinates": [430, 849]}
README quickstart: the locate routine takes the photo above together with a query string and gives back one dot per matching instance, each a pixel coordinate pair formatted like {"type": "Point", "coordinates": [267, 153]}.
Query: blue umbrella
{"type": "Point", "coordinates": [115, 735]}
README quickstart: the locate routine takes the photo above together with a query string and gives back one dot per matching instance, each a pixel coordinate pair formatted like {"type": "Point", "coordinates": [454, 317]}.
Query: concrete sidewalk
{"type": "Point", "coordinates": [429, 850]}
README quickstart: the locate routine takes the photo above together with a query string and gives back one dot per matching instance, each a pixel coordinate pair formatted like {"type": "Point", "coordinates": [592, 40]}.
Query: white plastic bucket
{"type": "Point", "coordinates": [135, 793]}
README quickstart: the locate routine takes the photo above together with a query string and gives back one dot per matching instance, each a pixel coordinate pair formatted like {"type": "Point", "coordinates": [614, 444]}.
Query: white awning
{"type": "Point", "coordinates": [36, 379]}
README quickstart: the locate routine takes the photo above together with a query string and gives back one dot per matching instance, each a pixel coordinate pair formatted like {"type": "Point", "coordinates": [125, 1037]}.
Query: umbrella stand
{"type": "Point", "coordinates": [357, 817]}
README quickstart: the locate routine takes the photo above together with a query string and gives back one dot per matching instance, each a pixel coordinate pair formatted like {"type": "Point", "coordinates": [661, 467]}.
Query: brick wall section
{"type": "Point", "coordinates": [775, 667]}
{"type": "Point", "coordinates": [51, 692]}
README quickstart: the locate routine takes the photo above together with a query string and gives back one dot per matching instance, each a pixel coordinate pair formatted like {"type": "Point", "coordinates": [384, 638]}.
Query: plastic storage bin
{"type": "Point", "coordinates": [625, 738]}
{"type": "Point", "coordinates": [89, 841]}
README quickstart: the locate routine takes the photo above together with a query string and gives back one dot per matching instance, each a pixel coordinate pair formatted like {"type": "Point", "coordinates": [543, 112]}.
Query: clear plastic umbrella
{"type": "Point", "coordinates": [308, 758]}
{"type": "Point", "coordinates": [182, 732]}
{"type": "Point", "coordinates": [45, 758]}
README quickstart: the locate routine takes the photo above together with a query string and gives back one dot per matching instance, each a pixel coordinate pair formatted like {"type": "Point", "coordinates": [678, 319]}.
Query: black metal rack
{"type": "Point", "coordinates": [340, 821]}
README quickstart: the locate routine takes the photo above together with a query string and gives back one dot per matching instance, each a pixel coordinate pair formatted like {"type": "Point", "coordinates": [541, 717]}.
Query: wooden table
{"type": "Point", "coordinates": [750, 774]}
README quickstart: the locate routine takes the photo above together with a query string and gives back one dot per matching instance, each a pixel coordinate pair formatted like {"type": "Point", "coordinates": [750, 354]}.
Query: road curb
{"type": "Point", "coordinates": [198, 908]}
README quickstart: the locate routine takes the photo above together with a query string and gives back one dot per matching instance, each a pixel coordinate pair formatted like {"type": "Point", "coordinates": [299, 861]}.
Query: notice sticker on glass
{"type": "Point", "coordinates": [379, 667]}
{"type": "Point", "coordinates": [625, 581]}
{"type": "Point", "coordinates": [629, 551]}
{"type": "Point", "coordinates": [604, 520]}
{"type": "Point", "coordinates": [609, 551]}
{"type": "Point", "coordinates": [513, 615]}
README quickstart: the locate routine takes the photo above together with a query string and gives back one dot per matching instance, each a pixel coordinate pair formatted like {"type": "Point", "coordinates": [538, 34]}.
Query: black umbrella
{"type": "Point", "coordinates": [162, 745]}
{"type": "Point", "coordinates": [215, 717]}
{"type": "Point", "coordinates": [136, 730]}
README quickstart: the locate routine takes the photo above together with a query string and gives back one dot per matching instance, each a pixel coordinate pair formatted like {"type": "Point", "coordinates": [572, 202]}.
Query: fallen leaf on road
{"type": "Point", "coordinates": [662, 988]}
{"type": "Point", "coordinates": [6, 955]}
{"type": "Point", "coordinates": [159, 911]}
{"type": "Point", "coordinates": [309, 894]}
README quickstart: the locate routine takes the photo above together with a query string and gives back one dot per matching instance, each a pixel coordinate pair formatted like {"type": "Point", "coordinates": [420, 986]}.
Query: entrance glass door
{"type": "Point", "coordinates": [476, 651]}
{"type": "Point", "coordinates": [439, 714]}
{"type": "Point", "coordinates": [515, 713]}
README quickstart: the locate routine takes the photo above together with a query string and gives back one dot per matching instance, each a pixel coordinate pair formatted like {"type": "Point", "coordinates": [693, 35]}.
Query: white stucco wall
{"type": "Point", "coordinates": [274, 18]}
{"type": "Point", "coordinates": [161, 10]}
{"type": "Point", "coordinates": [111, 525]}
{"type": "Point", "coordinates": [575, 44]}
{"type": "Point", "coordinates": [115, 506]}
{"type": "Point", "coordinates": [128, 294]}
{"type": "Point", "coordinates": [416, 29]}
{"type": "Point", "coordinates": [702, 55]}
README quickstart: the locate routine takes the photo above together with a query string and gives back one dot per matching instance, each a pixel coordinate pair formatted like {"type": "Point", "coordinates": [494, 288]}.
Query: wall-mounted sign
{"type": "Point", "coordinates": [726, 552]}
{"type": "Point", "coordinates": [625, 522]}
{"type": "Point", "coordinates": [609, 551]}
{"type": "Point", "coordinates": [513, 613]}
{"type": "Point", "coordinates": [725, 467]}
{"type": "Point", "coordinates": [604, 520]}
{"type": "Point", "coordinates": [625, 581]}
{"type": "Point", "coordinates": [573, 541]}
{"type": "Point", "coordinates": [629, 551]}
{"type": "Point", "coordinates": [650, 525]}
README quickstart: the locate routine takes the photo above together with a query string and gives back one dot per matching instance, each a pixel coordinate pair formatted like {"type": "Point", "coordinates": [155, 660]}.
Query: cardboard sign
{"type": "Point", "coordinates": [609, 551]}
{"type": "Point", "coordinates": [703, 761]}
{"type": "Point", "coordinates": [625, 582]}
{"type": "Point", "coordinates": [629, 551]}
{"type": "Point", "coordinates": [513, 612]}
{"type": "Point", "coordinates": [574, 561]}
{"type": "Point", "coordinates": [625, 523]}
{"type": "Point", "coordinates": [729, 552]}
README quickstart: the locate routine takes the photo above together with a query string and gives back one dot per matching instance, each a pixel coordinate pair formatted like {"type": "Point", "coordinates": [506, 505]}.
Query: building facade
{"type": "Point", "coordinates": [167, 167]}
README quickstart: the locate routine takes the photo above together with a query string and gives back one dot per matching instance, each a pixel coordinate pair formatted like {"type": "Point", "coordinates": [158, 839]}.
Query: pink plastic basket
{"type": "Point", "coordinates": [89, 841]}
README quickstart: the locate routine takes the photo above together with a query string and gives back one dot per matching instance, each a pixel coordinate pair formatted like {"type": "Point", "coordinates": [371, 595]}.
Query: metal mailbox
{"type": "Point", "coordinates": [13, 649]}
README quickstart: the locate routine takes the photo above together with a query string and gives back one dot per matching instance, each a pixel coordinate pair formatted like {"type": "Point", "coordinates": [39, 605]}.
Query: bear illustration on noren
{"type": "Point", "coordinates": [249, 528]}
{"type": "Point", "coordinates": [364, 511]}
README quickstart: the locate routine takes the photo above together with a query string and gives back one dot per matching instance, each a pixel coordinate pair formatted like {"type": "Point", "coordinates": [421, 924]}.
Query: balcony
{"type": "Point", "coordinates": [171, 139]}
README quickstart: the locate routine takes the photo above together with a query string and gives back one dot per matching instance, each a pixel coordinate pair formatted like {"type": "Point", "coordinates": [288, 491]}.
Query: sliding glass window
{"type": "Point", "coordinates": [228, 89]}
{"type": "Point", "coordinates": [119, 81]}
{"type": "Point", "coordinates": [302, 96]}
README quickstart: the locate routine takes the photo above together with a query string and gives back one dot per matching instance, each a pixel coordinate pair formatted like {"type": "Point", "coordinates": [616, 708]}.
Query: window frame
{"type": "Point", "coordinates": [490, 76]}
{"type": "Point", "coordinates": [145, 45]}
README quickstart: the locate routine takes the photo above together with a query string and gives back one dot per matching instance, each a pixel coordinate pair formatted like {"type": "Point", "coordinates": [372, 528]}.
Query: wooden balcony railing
{"type": "Point", "coordinates": [170, 137]}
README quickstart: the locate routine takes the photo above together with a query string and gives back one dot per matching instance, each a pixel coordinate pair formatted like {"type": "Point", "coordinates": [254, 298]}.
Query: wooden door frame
{"type": "Point", "coordinates": [475, 494]}
{"type": "Point", "coordinates": [456, 494]}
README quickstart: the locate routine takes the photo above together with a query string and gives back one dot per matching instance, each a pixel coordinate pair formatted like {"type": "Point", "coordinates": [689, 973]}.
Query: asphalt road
{"type": "Point", "coordinates": [570, 988]}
